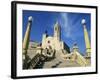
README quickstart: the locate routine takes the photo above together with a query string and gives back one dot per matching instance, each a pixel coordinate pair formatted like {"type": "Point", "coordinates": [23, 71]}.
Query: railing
{"type": "Point", "coordinates": [34, 61]}
{"type": "Point", "coordinates": [80, 59]}
{"type": "Point", "coordinates": [40, 57]}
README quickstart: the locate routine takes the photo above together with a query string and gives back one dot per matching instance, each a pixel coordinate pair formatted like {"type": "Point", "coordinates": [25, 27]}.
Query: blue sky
{"type": "Point", "coordinates": [71, 27]}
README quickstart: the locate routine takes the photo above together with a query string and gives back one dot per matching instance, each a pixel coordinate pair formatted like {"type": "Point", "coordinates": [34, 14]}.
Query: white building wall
{"type": "Point", "coordinates": [53, 42]}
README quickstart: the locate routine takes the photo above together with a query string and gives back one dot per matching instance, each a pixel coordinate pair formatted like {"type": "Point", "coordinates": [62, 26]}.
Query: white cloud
{"type": "Point", "coordinates": [70, 27]}
{"type": "Point", "coordinates": [65, 25]}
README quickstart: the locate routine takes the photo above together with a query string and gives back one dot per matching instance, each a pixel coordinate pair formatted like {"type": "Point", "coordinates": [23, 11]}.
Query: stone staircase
{"type": "Point", "coordinates": [60, 62]}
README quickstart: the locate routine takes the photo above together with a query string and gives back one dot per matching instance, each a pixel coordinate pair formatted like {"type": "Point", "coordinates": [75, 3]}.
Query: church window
{"type": "Point", "coordinates": [48, 41]}
{"type": "Point", "coordinates": [56, 28]}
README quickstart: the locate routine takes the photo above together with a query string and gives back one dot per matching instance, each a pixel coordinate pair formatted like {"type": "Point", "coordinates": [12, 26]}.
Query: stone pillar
{"type": "Point", "coordinates": [86, 37]}
{"type": "Point", "coordinates": [27, 36]}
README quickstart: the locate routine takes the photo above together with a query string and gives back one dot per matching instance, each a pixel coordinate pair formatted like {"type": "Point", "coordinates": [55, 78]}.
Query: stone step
{"type": "Point", "coordinates": [59, 62]}
{"type": "Point", "coordinates": [69, 64]}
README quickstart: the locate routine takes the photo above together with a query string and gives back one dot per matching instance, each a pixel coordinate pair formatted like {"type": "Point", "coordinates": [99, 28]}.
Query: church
{"type": "Point", "coordinates": [54, 41]}
{"type": "Point", "coordinates": [52, 52]}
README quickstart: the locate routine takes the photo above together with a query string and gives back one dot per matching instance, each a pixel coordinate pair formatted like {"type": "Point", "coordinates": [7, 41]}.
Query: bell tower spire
{"type": "Point", "coordinates": [57, 31]}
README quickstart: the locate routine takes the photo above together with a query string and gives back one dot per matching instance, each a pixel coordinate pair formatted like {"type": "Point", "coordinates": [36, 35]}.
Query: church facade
{"type": "Point", "coordinates": [54, 41]}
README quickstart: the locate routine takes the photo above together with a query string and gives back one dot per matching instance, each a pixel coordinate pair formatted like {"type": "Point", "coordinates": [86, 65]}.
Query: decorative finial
{"type": "Point", "coordinates": [75, 44]}
{"type": "Point", "coordinates": [83, 21]}
{"type": "Point", "coordinates": [30, 18]}
{"type": "Point", "coordinates": [75, 47]}
{"type": "Point", "coordinates": [56, 23]}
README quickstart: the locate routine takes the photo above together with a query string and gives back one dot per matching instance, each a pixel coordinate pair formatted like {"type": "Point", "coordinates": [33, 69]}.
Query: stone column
{"type": "Point", "coordinates": [86, 37]}
{"type": "Point", "coordinates": [27, 36]}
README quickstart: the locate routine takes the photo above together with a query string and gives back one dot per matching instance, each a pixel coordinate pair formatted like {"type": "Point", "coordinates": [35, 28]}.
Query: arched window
{"type": "Point", "coordinates": [55, 28]}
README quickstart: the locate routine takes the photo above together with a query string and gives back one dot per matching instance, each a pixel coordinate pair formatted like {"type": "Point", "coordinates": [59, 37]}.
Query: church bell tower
{"type": "Point", "coordinates": [57, 31]}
